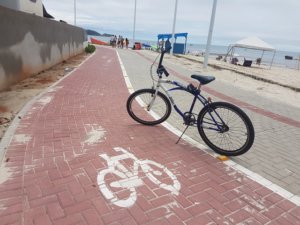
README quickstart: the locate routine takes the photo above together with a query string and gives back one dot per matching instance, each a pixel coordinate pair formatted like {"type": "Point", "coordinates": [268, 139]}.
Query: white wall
{"type": "Point", "coordinates": [30, 44]}
{"type": "Point", "coordinates": [28, 6]}
{"type": "Point", "coordinates": [12, 4]}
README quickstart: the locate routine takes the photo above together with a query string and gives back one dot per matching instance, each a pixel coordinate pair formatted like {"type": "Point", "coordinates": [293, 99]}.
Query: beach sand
{"type": "Point", "coordinates": [12, 100]}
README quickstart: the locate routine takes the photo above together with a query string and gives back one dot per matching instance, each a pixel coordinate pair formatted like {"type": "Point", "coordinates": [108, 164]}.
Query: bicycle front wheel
{"type": "Point", "coordinates": [225, 128]}
{"type": "Point", "coordinates": [158, 106]}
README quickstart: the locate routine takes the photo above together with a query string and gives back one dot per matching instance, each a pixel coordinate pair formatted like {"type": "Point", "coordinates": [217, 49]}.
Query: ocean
{"type": "Point", "coordinates": [240, 53]}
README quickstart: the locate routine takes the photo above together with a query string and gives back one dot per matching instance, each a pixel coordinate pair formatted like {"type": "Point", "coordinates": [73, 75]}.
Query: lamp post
{"type": "Point", "coordinates": [74, 12]}
{"type": "Point", "coordinates": [134, 19]}
{"type": "Point", "coordinates": [211, 27]}
{"type": "Point", "coordinates": [174, 24]}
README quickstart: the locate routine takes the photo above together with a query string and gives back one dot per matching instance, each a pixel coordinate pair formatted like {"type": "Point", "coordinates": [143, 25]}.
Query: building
{"type": "Point", "coordinates": [28, 6]}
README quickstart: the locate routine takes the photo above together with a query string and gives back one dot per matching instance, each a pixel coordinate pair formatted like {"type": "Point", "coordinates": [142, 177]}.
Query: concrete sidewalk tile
{"type": "Point", "coordinates": [159, 201]}
{"type": "Point", "coordinates": [174, 220]}
{"type": "Point", "coordinates": [239, 216]}
{"type": "Point", "coordinates": [33, 192]}
{"type": "Point", "coordinates": [11, 219]}
{"type": "Point", "coordinates": [235, 204]}
{"type": "Point", "coordinates": [199, 208]}
{"type": "Point", "coordinates": [12, 209]}
{"type": "Point", "coordinates": [10, 193]}
{"type": "Point", "coordinates": [179, 211]}
{"type": "Point", "coordinates": [43, 219]}
{"type": "Point", "coordinates": [285, 205]}
{"type": "Point", "coordinates": [77, 207]}
{"type": "Point", "coordinates": [292, 219]}
{"type": "Point", "coordinates": [219, 207]}
{"type": "Point", "coordinates": [70, 220]}
{"type": "Point", "coordinates": [117, 215]}
{"type": "Point", "coordinates": [296, 212]}
{"type": "Point", "coordinates": [92, 217]}
{"type": "Point", "coordinates": [129, 221]}
{"type": "Point", "coordinates": [144, 204]}
{"type": "Point", "coordinates": [200, 220]}
{"type": "Point", "coordinates": [55, 211]}
{"type": "Point", "coordinates": [181, 200]}
{"type": "Point", "coordinates": [160, 212]}
{"type": "Point", "coordinates": [32, 213]}
{"type": "Point", "coordinates": [162, 221]}
{"type": "Point", "coordinates": [43, 201]}
{"type": "Point", "coordinates": [139, 215]}
{"type": "Point", "coordinates": [273, 212]}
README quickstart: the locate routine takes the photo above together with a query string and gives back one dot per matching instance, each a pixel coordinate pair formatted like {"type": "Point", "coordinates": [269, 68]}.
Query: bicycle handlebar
{"type": "Point", "coordinates": [161, 69]}
{"type": "Point", "coordinates": [167, 48]}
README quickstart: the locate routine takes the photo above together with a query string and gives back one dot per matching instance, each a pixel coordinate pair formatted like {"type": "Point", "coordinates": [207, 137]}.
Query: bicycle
{"type": "Point", "coordinates": [224, 127]}
{"type": "Point", "coordinates": [130, 180]}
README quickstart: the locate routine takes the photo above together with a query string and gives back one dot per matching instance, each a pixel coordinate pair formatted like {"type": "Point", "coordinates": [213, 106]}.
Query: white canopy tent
{"type": "Point", "coordinates": [252, 43]}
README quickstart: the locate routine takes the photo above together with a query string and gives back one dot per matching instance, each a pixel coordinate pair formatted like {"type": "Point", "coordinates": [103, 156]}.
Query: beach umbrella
{"type": "Point", "coordinates": [211, 27]}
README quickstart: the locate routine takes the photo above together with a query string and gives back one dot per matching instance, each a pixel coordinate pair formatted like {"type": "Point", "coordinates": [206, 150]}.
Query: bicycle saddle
{"type": "Point", "coordinates": [203, 79]}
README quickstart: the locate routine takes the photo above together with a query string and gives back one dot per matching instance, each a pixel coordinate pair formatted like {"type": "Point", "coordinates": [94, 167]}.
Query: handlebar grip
{"type": "Point", "coordinates": [166, 73]}
{"type": "Point", "coordinates": [167, 48]}
{"type": "Point", "coordinates": [161, 70]}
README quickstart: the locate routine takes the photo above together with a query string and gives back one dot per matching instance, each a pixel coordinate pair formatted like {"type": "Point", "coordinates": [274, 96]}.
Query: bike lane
{"type": "Point", "coordinates": [76, 157]}
{"type": "Point", "coordinates": [274, 154]}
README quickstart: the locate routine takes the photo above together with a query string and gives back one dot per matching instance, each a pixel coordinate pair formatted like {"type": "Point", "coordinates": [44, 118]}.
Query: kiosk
{"type": "Point", "coordinates": [178, 48]}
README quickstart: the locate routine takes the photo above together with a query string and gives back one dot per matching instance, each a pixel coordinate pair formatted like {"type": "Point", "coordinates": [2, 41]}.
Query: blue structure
{"type": "Point", "coordinates": [178, 48]}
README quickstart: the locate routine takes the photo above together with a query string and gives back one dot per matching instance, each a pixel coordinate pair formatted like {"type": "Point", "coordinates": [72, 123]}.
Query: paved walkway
{"type": "Point", "coordinates": [77, 158]}
{"type": "Point", "coordinates": [275, 153]}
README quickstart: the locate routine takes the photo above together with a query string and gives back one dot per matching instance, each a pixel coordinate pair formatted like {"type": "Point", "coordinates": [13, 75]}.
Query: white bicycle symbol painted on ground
{"type": "Point", "coordinates": [130, 180]}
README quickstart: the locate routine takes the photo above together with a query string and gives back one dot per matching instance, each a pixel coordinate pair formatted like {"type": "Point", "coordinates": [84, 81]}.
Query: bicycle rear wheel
{"type": "Point", "coordinates": [225, 128]}
{"type": "Point", "coordinates": [160, 109]}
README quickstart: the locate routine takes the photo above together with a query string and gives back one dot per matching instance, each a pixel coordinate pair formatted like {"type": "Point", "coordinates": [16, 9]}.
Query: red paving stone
{"type": "Point", "coordinates": [54, 172]}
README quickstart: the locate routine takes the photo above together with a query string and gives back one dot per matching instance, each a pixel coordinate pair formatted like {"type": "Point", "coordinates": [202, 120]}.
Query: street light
{"type": "Point", "coordinates": [174, 24]}
{"type": "Point", "coordinates": [133, 35]}
{"type": "Point", "coordinates": [211, 27]}
{"type": "Point", "coordinates": [74, 12]}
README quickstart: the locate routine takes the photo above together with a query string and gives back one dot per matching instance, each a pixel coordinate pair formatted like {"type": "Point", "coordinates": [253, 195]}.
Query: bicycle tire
{"type": "Point", "coordinates": [160, 111]}
{"type": "Point", "coordinates": [231, 142]}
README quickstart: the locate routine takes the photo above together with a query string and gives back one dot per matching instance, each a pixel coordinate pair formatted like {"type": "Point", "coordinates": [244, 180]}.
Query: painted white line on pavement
{"type": "Point", "coordinates": [130, 179]}
{"type": "Point", "coordinates": [250, 174]}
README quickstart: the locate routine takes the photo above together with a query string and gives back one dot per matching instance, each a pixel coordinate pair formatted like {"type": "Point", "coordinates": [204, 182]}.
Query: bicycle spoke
{"type": "Point", "coordinates": [228, 131]}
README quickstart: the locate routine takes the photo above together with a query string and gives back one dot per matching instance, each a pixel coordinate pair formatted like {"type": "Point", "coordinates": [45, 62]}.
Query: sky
{"type": "Point", "coordinates": [277, 22]}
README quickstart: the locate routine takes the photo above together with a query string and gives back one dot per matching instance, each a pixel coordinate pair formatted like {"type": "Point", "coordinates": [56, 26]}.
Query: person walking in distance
{"type": "Point", "coordinates": [126, 43]}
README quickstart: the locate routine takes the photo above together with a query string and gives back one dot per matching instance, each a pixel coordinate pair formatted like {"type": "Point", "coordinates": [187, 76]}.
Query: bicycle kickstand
{"type": "Point", "coordinates": [182, 134]}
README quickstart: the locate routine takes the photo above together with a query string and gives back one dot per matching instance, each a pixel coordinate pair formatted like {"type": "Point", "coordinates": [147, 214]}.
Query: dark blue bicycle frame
{"type": "Point", "coordinates": [194, 91]}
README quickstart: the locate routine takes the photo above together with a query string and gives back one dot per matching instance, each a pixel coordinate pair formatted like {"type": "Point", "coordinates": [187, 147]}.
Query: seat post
{"type": "Point", "coordinates": [199, 86]}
